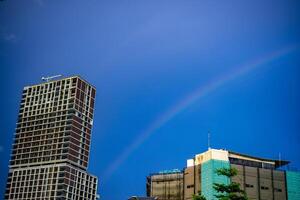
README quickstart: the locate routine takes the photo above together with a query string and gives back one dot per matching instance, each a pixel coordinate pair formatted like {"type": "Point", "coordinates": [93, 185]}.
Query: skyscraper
{"type": "Point", "coordinates": [51, 146]}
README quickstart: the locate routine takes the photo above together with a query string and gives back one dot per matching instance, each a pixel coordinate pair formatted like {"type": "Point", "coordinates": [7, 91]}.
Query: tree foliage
{"type": "Point", "coordinates": [231, 191]}
{"type": "Point", "coordinates": [198, 196]}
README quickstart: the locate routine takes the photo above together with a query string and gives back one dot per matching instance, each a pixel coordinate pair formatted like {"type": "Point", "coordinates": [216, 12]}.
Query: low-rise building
{"type": "Point", "coordinates": [165, 185]}
{"type": "Point", "coordinates": [142, 198]}
{"type": "Point", "coordinates": [262, 179]}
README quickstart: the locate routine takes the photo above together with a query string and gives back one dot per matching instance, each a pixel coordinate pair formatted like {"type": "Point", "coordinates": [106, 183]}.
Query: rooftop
{"type": "Point", "coordinates": [221, 154]}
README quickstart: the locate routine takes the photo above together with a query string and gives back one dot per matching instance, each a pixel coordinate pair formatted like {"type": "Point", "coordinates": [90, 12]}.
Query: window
{"type": "Point", "coordinates": [277, 190]}
{"type": "Point", "coordinates": [264, 188]}
{"type": "Point", "coordinates": [249, 185]}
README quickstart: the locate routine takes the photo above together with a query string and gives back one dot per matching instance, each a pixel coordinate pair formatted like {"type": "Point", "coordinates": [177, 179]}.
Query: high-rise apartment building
{"type": "Point", "coordinates": [262, 179]}
{"type": "Point", "coordinates": [50, 152]}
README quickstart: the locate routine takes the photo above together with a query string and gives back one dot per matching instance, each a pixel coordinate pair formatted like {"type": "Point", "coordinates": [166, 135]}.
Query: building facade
{"type": "Point", "coordinates": [142, 198]}
{"type": "Point", "coordinates": [165, 185]}
{"type": "Point", "coordinates": [50, 152]}
{"type": "Point", "coordinates": [260, 178]}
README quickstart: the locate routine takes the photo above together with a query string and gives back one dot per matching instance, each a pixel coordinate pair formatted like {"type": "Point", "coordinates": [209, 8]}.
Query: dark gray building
{"type": "Point", "coordinates": [51, 145]}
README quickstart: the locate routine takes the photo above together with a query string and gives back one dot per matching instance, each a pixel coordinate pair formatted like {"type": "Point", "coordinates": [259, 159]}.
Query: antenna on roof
{"type": "Point", "coordinates": [49, 78]}
{"type": "Point", "coordinates": [208, 140]}
{"type": "Point", "coordinates": [279, 159]}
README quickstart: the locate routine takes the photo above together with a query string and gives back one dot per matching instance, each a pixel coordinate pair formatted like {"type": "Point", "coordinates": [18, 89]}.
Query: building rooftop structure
{"type": "Point", "coordinates": [236, 158]}
{"type": "Point", "coordinates": [276, 163]}
{"type": "Point", "coordinates": [170, 171]}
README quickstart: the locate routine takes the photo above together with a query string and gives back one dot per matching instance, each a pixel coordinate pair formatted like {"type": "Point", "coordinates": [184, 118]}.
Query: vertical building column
{"type": "Point", "coordinates": [293, 185]}
{"type": "Point", "coordinates": [258, 183]}
{"type": "Point", "coordinates": [209, 177]}
{"type": "Point", "coordinates": [272, 179]}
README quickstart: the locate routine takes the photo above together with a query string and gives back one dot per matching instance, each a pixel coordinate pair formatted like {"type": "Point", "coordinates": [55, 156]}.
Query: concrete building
{"type": "Point", "coordinates": [261, 178]}
{"type": "Point", "coordinates": [51, 145]}
{"type": "Point", "coordinates": [142, 198]}
{"type": "Point", "coordinates": [165, 185]}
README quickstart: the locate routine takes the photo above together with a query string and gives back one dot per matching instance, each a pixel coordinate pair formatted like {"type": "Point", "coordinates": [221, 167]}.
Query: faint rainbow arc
{"type": "Point", "coordinates": [190, 99]}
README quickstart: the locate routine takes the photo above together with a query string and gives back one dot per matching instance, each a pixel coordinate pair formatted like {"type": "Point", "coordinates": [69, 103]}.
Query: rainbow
{"type": "Point", "coordinates": [192, 98]}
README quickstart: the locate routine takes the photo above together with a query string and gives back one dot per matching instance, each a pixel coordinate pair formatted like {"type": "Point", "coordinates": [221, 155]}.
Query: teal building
{"type": "Point", "coordinates": [293, 185]}
{"type": "Point", "coordinates": [209, 177]}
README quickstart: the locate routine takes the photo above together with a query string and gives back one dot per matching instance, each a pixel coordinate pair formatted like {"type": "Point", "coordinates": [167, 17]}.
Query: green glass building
{"type": "Point", "coordinates": [293, 185]}
{"type": "Point", "coordinates": [209, 177]}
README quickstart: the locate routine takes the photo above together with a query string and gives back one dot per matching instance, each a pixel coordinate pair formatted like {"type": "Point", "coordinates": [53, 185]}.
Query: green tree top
{"type": "Point", "coordinates": [198, 197]}
{"type": "Point", "coordinates": [231, 191]}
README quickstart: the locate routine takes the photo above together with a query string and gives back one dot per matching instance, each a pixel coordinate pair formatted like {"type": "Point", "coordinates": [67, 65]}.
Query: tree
{"type": "Point", "coordinates": [231, 191]}
{"type": "Point", "coordinates": [198, 196]}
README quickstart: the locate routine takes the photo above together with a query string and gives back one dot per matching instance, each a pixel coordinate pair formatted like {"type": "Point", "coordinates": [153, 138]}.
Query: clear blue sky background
{"type": "Point", "coordinates": [144, 56]}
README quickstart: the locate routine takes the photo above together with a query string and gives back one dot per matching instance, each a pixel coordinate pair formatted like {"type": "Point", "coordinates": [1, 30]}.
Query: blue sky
{"type": "Point", "coordinates": [166, 72]}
